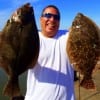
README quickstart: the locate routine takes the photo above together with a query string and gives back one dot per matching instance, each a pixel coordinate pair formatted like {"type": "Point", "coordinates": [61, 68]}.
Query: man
{"type": "Point", "coordinates": [52, 77]}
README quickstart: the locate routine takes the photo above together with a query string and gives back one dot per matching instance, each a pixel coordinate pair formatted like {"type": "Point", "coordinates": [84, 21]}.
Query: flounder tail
{"type": "Point", "coordinates": [12, 88]}
{"type": "Point", "coordinates": [88, 84]}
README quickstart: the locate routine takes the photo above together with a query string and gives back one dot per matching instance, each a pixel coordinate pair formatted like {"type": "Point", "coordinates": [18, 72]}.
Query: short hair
{"type": "Point", "coordinates": [53, 6]}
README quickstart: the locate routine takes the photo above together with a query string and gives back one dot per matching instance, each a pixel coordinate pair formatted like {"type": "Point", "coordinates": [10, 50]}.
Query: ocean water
{"type": "Point", "coordinates": [62, 31]}
{"type": "Point", "coordinates": [22, 80]}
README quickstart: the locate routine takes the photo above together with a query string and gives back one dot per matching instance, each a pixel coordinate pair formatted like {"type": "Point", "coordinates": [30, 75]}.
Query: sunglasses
{"type": "Point", "coordinates": [49, 15]}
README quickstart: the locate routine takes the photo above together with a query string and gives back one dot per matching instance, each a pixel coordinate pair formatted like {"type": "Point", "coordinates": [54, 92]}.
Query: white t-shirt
{"type": "Point", "coordinates": [52, 77]}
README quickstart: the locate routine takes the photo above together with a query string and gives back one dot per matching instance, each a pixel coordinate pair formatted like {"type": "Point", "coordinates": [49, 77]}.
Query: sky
{"type": "Point", "coordinates": [68, 10]}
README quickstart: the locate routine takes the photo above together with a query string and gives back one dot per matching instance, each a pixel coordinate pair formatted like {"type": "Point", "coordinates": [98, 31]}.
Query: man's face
{"type": "Point", "coordinates": [49, 22]}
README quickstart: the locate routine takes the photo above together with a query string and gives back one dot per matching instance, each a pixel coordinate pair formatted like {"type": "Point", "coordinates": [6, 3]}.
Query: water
{"type": "Point", "coordinates": [63, 31]}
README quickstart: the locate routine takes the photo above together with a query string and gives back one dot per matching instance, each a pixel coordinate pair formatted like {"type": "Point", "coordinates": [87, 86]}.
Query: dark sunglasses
{"type": "Point", "coordinates": [49, 15]}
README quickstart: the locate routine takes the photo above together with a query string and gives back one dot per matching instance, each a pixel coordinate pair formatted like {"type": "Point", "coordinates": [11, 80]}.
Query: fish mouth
{"type": "Point", "coordinates": [22, 14]}
{"type": "Point", "coordinates": [78, 16]}
{"type": "Point", "coordinates": [28, 5]}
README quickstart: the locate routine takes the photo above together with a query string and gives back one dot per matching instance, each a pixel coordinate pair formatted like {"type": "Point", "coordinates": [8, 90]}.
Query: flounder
{"type": "Point", "coordinates": [19, 47]}
{"type": "Point", "coordinates": [83, 47]}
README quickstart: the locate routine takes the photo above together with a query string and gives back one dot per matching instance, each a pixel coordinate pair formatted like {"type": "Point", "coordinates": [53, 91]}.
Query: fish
{"type": "Point", "coordinates": [19, 47]}
{"type": "Point", "coordinates": [83, 48]}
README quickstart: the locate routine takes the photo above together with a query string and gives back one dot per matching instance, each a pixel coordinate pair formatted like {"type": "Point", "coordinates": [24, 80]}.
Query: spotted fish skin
{"type": "Point", "coordinates": [19, 47]}
{"type": "Point", "coordinates": [83, 47]}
